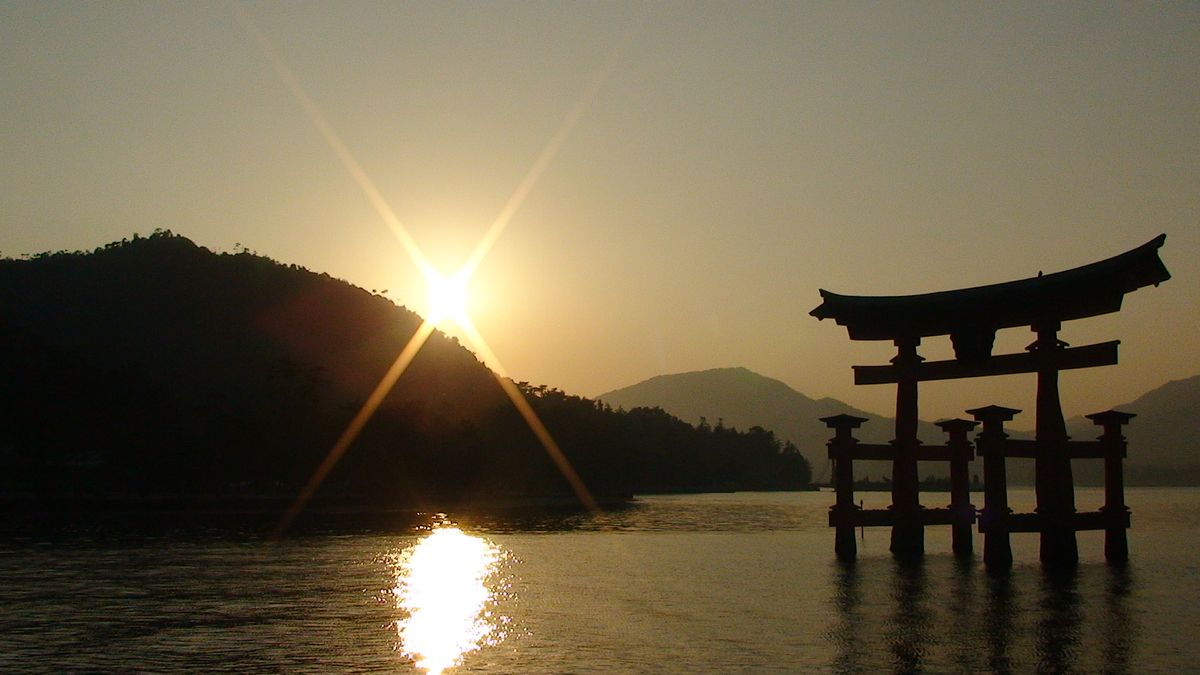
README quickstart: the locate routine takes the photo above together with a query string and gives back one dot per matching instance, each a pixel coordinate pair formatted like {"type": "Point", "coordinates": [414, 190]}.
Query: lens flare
{"type": "Point", "coordinates": [447, 296]}
{"type": "Point", "coordinates": [442, 587]}
{"type": "Point", "coordinates": [356, 425]}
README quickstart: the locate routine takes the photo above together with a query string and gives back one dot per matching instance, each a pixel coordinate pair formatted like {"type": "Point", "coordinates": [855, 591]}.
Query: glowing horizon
{"type": "Point", "coordinates": [734, 163]}
{"type": "Point", "coordinates": [447, 296]}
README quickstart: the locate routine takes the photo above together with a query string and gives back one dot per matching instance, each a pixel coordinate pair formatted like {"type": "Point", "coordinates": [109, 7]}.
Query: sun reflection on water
{"type": "Point", "coordinates": [442, 584]}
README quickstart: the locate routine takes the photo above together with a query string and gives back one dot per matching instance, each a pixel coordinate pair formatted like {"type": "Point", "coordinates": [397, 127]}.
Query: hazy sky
{"type": "Point", "coordinates": [735, 158]}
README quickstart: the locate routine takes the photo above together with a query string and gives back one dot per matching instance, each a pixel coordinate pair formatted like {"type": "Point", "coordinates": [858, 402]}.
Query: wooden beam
{"type": "Point", "coordinates": [1101, 354]}
{"type": "Point", "coordinates": [1015, 447]}
{"type": "Point", "coordinates": [862, 518]}
{"type": "Point", "coordinates": [859, 451]}
{"type": "Point", "coordinates": [887, 451]}
{"type": "Point", "coordinates": [936, 453]}
{"type": "Point", "coordinates": [1093, 450]}
{"type": "Point", "coordinates": [1028, 449]}
{"type": "Point", "coordinates": [942, 517]}
{"type": "Point", "coordinates": [1086, 520]}
{"type": "Point", "coordinates": [887, 517]}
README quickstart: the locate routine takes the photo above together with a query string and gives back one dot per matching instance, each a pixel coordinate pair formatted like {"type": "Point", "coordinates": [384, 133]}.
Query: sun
{"type": "Point", "coordinates": [447, 297]}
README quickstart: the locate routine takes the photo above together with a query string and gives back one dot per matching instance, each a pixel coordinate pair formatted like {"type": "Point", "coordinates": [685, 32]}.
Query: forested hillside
{"type": "Point", "coordinates": [154, 366]}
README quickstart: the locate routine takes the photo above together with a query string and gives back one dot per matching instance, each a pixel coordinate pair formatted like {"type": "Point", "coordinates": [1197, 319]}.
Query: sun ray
{"type": "Point", "coordinates": [457, 283]}
{"type": "Point", "coordinates": [530, 416]}
{"type": "Point", "coordinates": [332, 138]}
{"type": "Point", "coordinates": [356, 425]}
{"type": "Point", "coordinates": [447, 296]}
{"type": "Point", "coordinates": [517, 199]}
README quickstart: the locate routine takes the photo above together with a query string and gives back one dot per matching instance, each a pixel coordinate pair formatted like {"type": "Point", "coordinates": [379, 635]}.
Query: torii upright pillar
{"type": "Point", "coordinates": [908, 531]}
{"type": "Point", "coordinates": [1053, 481]}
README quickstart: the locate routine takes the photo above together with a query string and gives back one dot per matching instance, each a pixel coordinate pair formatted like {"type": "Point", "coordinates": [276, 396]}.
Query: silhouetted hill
{"type": "Point", "coordinates": [246, 361]}
{"type": "Point", "coordinates": [1163, 449]}
{"type": "Point", "coordinates": [741, 398]}
{"type": "Point", "coordinates": [154, 367]}
{"type": "Point", "coordinates": [1163, 439]}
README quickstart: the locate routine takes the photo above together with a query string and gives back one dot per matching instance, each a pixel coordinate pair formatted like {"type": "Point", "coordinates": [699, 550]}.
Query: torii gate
{"type": "Point", "coordinates": [971, 317]}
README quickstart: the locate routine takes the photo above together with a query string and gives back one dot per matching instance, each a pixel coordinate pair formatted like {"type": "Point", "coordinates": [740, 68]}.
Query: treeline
{"type": "Point", "coordinates": [154, 367]}
{"type": "Point", "coordinates": [646, 450]}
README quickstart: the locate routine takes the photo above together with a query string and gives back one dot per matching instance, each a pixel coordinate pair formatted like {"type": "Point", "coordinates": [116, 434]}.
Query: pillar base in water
{"type": "Point", "coordinates": [1116, 547]}
{"type": "Point", "coordinates": [963, 543]}
{"type": "Point", "coordinates": [1059, 548]}
{"type": "Point", "coordinates": [844, 546]}
{"type": "Point", "coordinates": [908, 541]}
{"type": "Point", "coordinates": [997, 550]}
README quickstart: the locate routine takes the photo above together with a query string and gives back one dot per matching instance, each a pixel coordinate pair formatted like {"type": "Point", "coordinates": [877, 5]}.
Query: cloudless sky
{"type": "Point", "coordinates": [736, 158]}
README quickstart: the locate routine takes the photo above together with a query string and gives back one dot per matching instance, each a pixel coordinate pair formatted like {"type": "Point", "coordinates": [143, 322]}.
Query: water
{"type": "Point", "coordinates": [681, 584]}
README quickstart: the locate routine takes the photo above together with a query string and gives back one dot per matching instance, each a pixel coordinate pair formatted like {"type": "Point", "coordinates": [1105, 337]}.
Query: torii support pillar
{"type": "Point", "coordinates": [908, 529]}
{"type": "Point", "coordinates": [844, 512]}
{"type": "Point", "coordinates": [993, 521]}
{"type": "Point", "coordinates": [961, 509]}
{"type": "Point", "coordinates": [1052, 467]}
{"type": "Point", "coordinates": [1116, 543]}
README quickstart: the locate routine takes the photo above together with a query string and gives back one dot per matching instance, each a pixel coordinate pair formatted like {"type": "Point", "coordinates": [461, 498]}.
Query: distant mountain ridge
{"type": "Point", "coordinates": [741, 398]}
{"type": "Point", "coordinates": [1163, 438]}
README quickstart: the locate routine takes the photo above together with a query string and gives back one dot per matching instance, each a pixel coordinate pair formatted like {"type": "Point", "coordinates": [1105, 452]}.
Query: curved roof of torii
{"type": "Point", "coordinates": [1076, 293]}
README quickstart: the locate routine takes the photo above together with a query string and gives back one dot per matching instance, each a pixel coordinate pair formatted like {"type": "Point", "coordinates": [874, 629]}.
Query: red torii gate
{"type": "Point", "coordinates": [971, 317]}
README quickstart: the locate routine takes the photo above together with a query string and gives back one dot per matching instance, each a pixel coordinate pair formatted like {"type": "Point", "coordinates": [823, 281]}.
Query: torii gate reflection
{"type": "Point", "coordinates": [971, 317]}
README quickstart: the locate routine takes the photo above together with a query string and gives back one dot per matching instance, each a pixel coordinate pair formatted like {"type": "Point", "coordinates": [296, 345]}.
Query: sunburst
{"type": "Point", "coordinates": [447, 295]}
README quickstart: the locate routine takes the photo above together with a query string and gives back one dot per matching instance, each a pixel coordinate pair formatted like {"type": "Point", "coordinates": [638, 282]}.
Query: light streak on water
{"type": "Point", "coordinates": [443, 586]}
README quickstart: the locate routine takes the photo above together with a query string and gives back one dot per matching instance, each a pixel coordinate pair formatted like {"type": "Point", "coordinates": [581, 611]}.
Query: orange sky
{"type": "Point", "coordinates": [725, 162]}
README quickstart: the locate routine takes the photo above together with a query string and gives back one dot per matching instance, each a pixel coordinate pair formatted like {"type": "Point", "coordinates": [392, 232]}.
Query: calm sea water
{"type": "Point", "coordinates": [681, 584]}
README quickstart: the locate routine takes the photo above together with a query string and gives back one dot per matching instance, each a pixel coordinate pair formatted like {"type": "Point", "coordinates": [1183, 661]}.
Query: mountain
{"type": "Point", "coordinates": [1163, 447]}
{"type": "Point", "coordinates": [1163, 438]}
{"type": "Point", "coordinates": [153, 368]}
{"type": "Point", "coordinates": [242, 370]}
{"type": "Point", "coordinates": [740, 398]}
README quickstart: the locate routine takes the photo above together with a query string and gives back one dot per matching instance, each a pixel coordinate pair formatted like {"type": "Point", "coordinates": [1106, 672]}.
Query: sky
{"type": "Point", "coordinates": [682, 177]}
